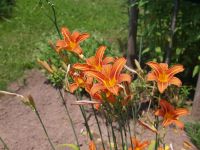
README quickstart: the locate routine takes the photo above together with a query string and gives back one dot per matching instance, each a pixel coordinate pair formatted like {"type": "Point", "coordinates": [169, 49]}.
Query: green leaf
{"type": "Point", "coordinates": [146, 50]}
{"type": "Point", "coordinates": [178, 51]}
{"type": "Point", "coordinates": [72, 146]}
{"type": "Point", "coordinates": [195, 70]}
{"type": "Point", "coordinates": [158, 50]}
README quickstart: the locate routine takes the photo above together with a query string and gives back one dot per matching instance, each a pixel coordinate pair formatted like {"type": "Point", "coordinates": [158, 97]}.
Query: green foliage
{"type": "Point", "coordinates": [193, 130]}
{"type": "Point", "coordinates": [154, 29]}
{"type": "Point", "coordinates": [57, 78]}
{"type": "Point", "coordinates": [6, 7]}
{"type": "Point", "coordinates": [178, 95]}
{"type": "Point", "coordinates": [47, 53]}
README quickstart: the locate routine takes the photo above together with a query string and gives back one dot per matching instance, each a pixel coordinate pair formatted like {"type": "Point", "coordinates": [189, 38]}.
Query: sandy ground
{"type": "Point", "coordinates": [21, 130]}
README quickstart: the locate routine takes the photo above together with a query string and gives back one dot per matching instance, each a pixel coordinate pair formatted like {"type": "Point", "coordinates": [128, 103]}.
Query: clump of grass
{"type": "Point", "coordinates": [193, 130]}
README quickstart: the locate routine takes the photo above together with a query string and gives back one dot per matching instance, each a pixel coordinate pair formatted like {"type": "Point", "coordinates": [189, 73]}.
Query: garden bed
{"type": "Point", "coordinates": [21, 130]}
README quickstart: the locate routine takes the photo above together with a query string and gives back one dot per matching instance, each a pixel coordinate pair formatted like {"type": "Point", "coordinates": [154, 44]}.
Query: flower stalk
{"type": "Point", "coordinates": [70, 119]}
{"type": "Point", "coordinates": [100, 132]}
{"type": "Point", "coordinates": [41, 122]}
{"type": "Point", "coordinates": [4, 144]}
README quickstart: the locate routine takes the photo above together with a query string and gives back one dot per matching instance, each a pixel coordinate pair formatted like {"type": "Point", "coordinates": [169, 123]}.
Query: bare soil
{"type": "Point", "coordinates": [21, 130]}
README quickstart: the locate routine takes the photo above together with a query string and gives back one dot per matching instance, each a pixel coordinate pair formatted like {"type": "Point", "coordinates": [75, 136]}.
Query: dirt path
{"type": "Point", "coordinates": [21, 130]}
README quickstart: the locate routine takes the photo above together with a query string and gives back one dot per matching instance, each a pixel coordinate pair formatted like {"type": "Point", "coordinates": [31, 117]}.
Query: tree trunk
{"type": "Point", "coordinates": [133, 17]}
{"type": "Point", "coordinates": [196, 102]}
{"type": "Point", "coordinates": [172, 31]}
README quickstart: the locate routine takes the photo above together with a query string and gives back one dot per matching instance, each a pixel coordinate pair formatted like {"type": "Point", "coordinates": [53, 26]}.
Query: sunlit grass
{"type": "Point", "coordinates": [20, 35]}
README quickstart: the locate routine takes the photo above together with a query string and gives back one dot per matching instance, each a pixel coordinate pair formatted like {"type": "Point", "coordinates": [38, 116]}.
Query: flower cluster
{"type": "Point", "coordinates": [100, 76]}
{"type": "Point", "coordinates": [107, 80]}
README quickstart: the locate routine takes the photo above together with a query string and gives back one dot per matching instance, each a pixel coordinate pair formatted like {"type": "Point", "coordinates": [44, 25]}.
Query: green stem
{"type": "Point", "coordinates": [38, 115]}
{"type": "Point", "coordinates": [125, 136]}
{"type": "Point", "coordinates": [107, 127]}
{"type": "Point", "coordinates": [108, 117]}
{"type": "Point", "coordinates": [70, 119]}
{"type": "Point", "coordinates": [86, 123]}
{"type": "Point", "coordinates": [114, 137]}
{"type": "Point", "coordinates": [120, 122]}
{"type": "Point", "coordinates": [123, 124]}
{"type": "Point", "coordinates": [156, 126]}
{"type": "Point", "coordinates": [95, 115]}
{"type": "Point", "coordinates": [157, 138]}
{"type": "Point", "coordinates": [54, 19]}
{"type": "Point", "coordinates": [134, 119]}
{"type": "Point", "coordinates": [129, 130]}
{"type": "Point", "coordinates": [122, 138]}
{"type": "Point", "coordinates": [4, 144]}
{"type": "Point", "coordinates": [85, 118]}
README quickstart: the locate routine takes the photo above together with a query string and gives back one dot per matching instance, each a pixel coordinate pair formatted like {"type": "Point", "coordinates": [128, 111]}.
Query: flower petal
{"type": "Point", "coordinates": [166, 122]}
{"type": "Point", "coordinates": [99, 54]}
{"type": "Point", "coordinates": [78, 50]}
{"type": "Point", "coordinates": [162, 86]}
{"type": "Point", "coordinates": [144, 144]}
{"type": "Point", "coordinates": [117, 67]}
{"type": "Point", "coordinates": [124, 77]}
{"type": "Point", "coordinates": [166, 106]}
{"type": "Point", "coordinates": [164, 66]}
{"type": "Point", "coordinates": [82, 67]}
{"type": "Point", "coordinates": [135, 142]}
{"type": "Point", "coordinates": [178, 123]}
{"type": "Point", "coordinates": [106, 70]}
{"type": "Point", "coordinates": [66, 34]}
{"type": "Point", "coordinates": [97, 75]}
{"type": "Point", "coordinates": [108, 60]}
{"type": "Point", "coordinates": [160, 112]}
{"type": "Point", "coordinates": [95, 88]}
{"type": "Point", "coordinates": [176, 81]}
{"type": "Point", "coordinates": [151, 76]}
{"type": "Point", "coordinates": [181, 111]}
{"type": "Point", "coordinates": [174, 70]}
{"type": "Point", "coordinates": [92, 145]}
{"type": "Point", "coordinates": [91, 61]}
{"type": "Point", "coordinates": [155, 66]}
{"type": "Point", "coordinates": [82, 37]}
{"type": "Point", "coordinates": [75, 35]}
{"type": "Point", "coordinates": [60, 44]}
{"type": "Point", "coordinates": [114, 90]}
{"type": "Point", "coordinates": [73, 87]}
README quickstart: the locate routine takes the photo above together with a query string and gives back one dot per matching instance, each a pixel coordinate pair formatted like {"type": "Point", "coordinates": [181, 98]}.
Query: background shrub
{"type": "Point", "coordinates": [6, 7]}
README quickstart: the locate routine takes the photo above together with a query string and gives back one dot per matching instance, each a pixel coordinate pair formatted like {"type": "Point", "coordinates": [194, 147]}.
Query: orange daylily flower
{"type": "Point", "coordinates": [92, 145]}
{"type": "Point", "coordinates": [110, 77]}
{"type": "Point", "coordinates": [163, 75]}
{"type": "Point", "coordinates": [98, 97]}
{"type": "Point", "coordinates": [80, 80]}
{"type": "Point", "coordinates": [138, 145]}
{"type": "Point", "coordinates": [109, 96]}
{"type": "Point", "coordinates": [95, 62]}
{"type": "Point", "coordinates": [70, 41]}
{"type": "Point", "coordinates": [170, 114]}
